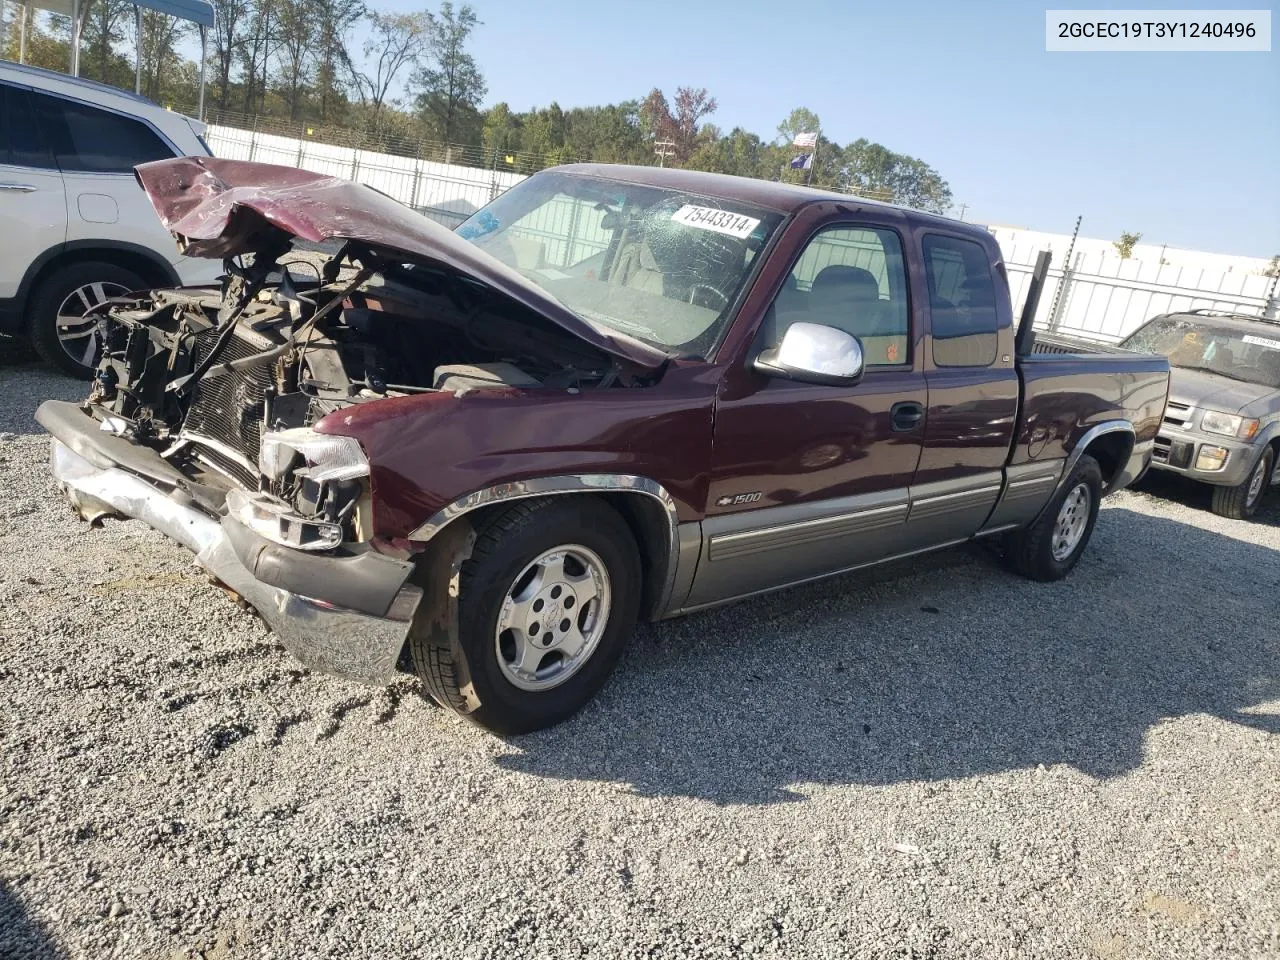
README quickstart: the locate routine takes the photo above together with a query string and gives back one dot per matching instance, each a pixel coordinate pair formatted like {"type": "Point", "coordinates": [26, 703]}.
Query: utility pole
{"type": "Point", "coordinates": [963, 208]}
{"type": "Point", "coordinates": [22, 34]}
{"type": "Point", "coordinates": [663, 149]}
{"type": "Point", "coordinates": [1066, 276]}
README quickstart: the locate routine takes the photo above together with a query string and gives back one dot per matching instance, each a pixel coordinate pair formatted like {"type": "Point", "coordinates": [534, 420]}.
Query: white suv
{"type": "Point", "coordinates": [75, 226]}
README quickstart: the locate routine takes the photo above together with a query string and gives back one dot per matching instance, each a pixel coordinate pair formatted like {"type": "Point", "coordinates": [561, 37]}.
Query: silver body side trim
{"type": "Point", "coordinates": [730, 545]}
{"type": "Point", "coordinates": [1027, 488]}
{"type": "Point", "coordinates": [928, 506]}
{"type": "Point", "coordinates": [570, 483]}
{"type": "Point", "coordinates": [745, 551]}
{"type": "Point", "coordinates": [821, 576]}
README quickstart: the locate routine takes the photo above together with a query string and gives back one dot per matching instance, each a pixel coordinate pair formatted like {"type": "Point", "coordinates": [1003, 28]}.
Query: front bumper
{"type": "Point", "coordinates": [1176, 451]}
{"type": "Point", "coordinates": [322, 635]}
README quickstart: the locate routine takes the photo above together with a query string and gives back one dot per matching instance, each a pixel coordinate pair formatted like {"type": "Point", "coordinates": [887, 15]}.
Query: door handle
{"type": "Point", "coordinates": [19, 187]}
{"type": "Point", "coordinates": [906, 415]}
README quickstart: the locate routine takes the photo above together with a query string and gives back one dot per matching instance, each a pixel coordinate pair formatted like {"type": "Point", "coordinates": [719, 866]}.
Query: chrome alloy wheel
{"type": "Point", "coordinates": [1073, 517]}
{"type": "Point", "coordinates": [78, 335]}
{"type": "Point", "coordinates": [553, 617]}
{"type": "Point", "coordinates": [1256, 483]}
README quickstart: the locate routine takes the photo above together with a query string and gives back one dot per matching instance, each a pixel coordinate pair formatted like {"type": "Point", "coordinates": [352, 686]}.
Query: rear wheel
{"type": "Point", "coordinates": [1241, 502]}
{"type": "Point", "coordinates": [1051, 546]}
{"type": "Point", "coordinates": [59, 330]}
{"type": "Point", "coordinates": [546, 603]}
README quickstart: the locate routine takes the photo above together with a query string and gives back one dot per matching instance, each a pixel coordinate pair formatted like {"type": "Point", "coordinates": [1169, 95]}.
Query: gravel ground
{"type": "Point", "coordinates": [934, 761]}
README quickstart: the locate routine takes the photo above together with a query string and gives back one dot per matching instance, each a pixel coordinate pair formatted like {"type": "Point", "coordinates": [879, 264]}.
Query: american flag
{"type": "Point", "coordinates": [809, 140]}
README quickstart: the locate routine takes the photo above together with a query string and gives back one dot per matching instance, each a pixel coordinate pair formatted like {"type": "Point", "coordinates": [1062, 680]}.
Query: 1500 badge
{"type": "Point", "coordinates": [739, 500]}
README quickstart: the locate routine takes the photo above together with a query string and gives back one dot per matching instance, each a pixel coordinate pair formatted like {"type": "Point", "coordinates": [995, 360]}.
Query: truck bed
{"type": "Point", "coordinates": [1057, 343]}
{"type": "Point", "coordinates": [1071, 385]}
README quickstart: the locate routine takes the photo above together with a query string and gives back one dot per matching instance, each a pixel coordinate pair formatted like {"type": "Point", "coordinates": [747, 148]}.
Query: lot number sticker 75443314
{"type": "Point", "coordinates": [721, 221]}
{"type": "Point", "coordinates": [1262, 341]}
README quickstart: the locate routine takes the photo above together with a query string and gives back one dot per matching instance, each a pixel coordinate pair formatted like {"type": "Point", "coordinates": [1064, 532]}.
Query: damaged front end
{"type": "Point", "coordinates": [205, 418]}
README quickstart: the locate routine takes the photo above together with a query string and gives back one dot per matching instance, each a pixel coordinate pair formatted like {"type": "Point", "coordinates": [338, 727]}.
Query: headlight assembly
{"type": "Point", "coordinates": [327, 458]}
{"type": "Point", "coordinates": [1228, 424]}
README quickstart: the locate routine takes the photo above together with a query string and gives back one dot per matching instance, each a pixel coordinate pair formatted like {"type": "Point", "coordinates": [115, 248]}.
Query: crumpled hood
{"type": "Point", "coordinates": [216, 208]}
{"type": "Point", "coordinates": [1210, 391]}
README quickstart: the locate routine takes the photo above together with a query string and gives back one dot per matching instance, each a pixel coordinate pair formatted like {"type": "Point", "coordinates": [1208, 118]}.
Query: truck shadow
{"type": "Point", "coordinates": [1170, 486]}
{"type": "Point", "coordinates": [944, 668]}
{"type": "Point", "coordinates": [20, 934]}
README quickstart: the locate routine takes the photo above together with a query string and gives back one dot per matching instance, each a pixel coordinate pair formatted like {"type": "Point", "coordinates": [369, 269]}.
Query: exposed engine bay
{"type": "Point", "coordinates": [202, 375]}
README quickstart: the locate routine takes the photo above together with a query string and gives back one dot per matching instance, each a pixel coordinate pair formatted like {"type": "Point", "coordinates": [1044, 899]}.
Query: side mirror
{"type": "Point", "coordinates": [814, 353]}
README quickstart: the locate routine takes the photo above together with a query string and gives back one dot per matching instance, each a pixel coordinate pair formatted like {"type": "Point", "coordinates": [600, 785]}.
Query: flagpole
{"type": "Point", "coordinates": [813, 159]}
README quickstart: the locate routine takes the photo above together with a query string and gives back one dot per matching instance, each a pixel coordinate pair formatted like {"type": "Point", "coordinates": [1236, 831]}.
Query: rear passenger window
{"type": "Point", "coordinates": [853, 279]}
{"type": "Point", "coordinates": [88, 140]}
{"type": "Point", "coordinates": [962, 302]}
{"type": "Point", "coordinates": [20, 140]}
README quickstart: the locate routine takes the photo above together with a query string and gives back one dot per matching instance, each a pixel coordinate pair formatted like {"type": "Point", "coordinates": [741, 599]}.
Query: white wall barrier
{"type": "Point", "coordinates": [447, 193]}
{"type": "Point", "coordinates": [1100, 296]}
{"type": "Point", "coordinates": [1106, 298]}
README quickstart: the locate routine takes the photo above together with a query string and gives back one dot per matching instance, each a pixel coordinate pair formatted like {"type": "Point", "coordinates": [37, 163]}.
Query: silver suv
{"type": "Point", "coordinates": [75, 226]}
{"type": "Point", "coordinates": [1222, 421]}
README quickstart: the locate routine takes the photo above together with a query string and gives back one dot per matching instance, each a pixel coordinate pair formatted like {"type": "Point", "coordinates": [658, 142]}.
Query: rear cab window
{"type": "Point", "coordinates": [852, 278]}
{"type": "Point", "coordinates": [962, 302]}
{"type": "Point", "coordinates": [85, 139]}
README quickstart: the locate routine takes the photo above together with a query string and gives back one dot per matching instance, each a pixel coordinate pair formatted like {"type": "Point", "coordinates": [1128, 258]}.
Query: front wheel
{"type": "Point", "coordinates": [1241, 502]}
{"type": "Point", "coordinates": [546, 603]}
{"type": "Point", "coordinates": [1051, 546]}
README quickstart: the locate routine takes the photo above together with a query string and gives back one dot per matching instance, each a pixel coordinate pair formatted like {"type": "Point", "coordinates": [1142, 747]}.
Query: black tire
{"type": "Point", "coordinates": [1030, 551]}
{"type": "Point", "coordinates": [508, 543]}
{"type": "Point", "coordinates": [1235, 502]}
{"type": "Point", "coordinates": [49, 295]}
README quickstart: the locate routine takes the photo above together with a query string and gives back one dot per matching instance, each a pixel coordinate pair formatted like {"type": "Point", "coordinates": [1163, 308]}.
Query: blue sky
{"type": "Point", "coordinates": [1183, 147]}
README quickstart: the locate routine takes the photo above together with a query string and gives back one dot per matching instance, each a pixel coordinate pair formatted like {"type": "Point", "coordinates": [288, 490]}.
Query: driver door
{"type": "Point", "coordinates": [809, 479]}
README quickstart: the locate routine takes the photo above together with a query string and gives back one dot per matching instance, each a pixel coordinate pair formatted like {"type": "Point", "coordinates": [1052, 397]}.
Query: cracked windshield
{"type": "Point", "coordinates": [1213, 348]}
{"type": "Point", "coordinates": [662, 266]}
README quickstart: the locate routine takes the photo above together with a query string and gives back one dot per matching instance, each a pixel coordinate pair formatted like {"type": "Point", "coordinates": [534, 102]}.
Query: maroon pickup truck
{"type": "Point", "coordinates": [613, 393]}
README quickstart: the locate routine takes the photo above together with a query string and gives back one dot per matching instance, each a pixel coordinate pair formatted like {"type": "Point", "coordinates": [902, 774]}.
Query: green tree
{"type": "Point", "coordinates": [800, 120]}
{"type": "Point", "coordinates": [104, 29]}
{"type": "Point", "coordinates": [450, 84]}
{"type": "Point", "coordinates": [873, 170]}
{"type": "Point", "coordinates": [500, 132]}
{"type": "Point", "coordinates": [608, 134]}
{"type": "Point", "coordinates": [336, 19]}
{"type": "Point", "coordinates": [1124, 246]}
{"type": "Point", "coordinates": [678, 121]}
{"type": "Point", "coordinates": [542, 136]}
{"type": "Point", "coordinates": [48, 40]}
{"type": "Point", "coordinates": [257, 51]}
{"type": "Point", "coordinates": [297, 36]}
{"type": "Point", "coordinates": [232, 22]}
{"type": "Point", "coordinates": [397, 42]}
{"type": "Point", "coordinates": [161, 35]}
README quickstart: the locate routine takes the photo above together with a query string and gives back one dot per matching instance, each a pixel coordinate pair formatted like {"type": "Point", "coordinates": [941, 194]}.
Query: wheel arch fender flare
{"type": "Point", "coordinates": [649, 510]}
{"type": "Point", "coordinates": [120, 252]}
{"type": "Point", "coordinates": [1111, 442]}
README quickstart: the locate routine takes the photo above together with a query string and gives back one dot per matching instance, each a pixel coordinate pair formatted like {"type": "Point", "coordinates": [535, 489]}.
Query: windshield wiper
{"type": "Point", "coordinates": [1221, 373]}
{"type": "Point", "coordinates": [615, 323]}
